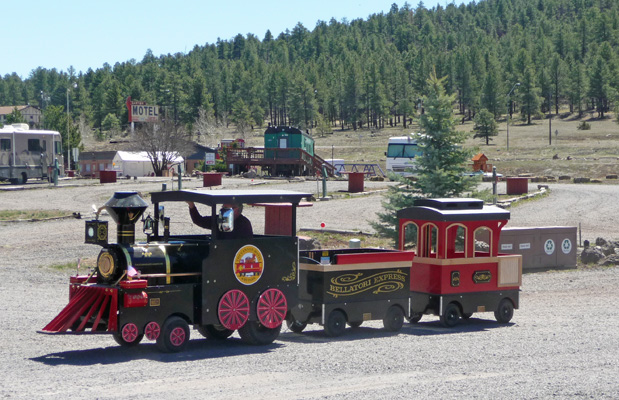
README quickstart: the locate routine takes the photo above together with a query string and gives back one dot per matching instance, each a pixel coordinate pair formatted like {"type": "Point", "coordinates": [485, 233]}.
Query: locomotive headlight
{"type": "Point", "coordinates": [106, 265]}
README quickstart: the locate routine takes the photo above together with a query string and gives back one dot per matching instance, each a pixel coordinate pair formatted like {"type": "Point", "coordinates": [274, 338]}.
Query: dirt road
{"type": "Point", "coordinates": [562, 342]}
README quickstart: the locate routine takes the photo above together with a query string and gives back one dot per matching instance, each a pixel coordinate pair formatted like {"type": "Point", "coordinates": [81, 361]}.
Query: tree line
{"type": "Point", "coordinates": [364, 73]}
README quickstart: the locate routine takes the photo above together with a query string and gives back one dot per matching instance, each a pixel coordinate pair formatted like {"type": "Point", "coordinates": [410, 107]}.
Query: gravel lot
{"type": "Point", "coordinates": [562, 343]}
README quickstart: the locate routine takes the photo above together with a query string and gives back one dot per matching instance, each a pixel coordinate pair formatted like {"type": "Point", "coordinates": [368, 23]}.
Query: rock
{"type": "Point", "coordinates": [601, 242]}
{"type": "Point", "coordinates": [591, 255]}
{"type": "Point", "coordinates": [611, 260]}
{"type": "Point", "coordinates": [555, 157]}
{"type": "Point", "coordinates": [251, 174]}
{"type": "Point", "coordinates": [308, 243]}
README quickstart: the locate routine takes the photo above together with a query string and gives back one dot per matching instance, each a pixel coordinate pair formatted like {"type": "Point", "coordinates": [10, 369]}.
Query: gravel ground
{"type": "Point", "coordinates": [561, 343]}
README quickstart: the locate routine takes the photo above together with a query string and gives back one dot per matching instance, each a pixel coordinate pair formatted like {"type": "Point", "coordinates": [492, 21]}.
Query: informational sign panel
{"type": "Point", "coordinates": [139, 111]}
{"type": "Point", "coordinates": [209, 159]}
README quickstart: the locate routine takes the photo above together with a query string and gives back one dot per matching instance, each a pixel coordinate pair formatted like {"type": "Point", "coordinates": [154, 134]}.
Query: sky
{"type": "Point", "coordinates": [86, 34]}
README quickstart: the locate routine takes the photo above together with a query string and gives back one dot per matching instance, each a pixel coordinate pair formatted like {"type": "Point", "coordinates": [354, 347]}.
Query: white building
{"type": "Point", "coordinates": [138, 164]}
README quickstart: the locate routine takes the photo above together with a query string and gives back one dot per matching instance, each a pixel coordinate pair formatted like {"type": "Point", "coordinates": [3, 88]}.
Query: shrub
{"type": "Point", "coordinates": [584, 126]}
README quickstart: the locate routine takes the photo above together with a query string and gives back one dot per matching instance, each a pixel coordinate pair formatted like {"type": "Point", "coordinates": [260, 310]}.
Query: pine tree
{"type": "Point", "coordinates": [485, 125]}
{"type": "Point", "coordinates": [440, 170]}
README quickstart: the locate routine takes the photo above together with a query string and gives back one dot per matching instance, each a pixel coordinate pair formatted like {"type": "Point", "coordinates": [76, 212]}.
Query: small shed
{"type": "Point", "coordinates": [137, 163]}
{"type": "Point", "coordinates": [480, 163]}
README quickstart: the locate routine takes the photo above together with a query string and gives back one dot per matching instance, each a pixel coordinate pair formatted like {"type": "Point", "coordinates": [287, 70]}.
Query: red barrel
{"type": "Point", "coordinates": [517, 185]}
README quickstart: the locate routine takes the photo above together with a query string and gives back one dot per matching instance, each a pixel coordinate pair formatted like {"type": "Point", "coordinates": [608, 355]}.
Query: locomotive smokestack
{"type": "Point", "coordinates": [125, 208]}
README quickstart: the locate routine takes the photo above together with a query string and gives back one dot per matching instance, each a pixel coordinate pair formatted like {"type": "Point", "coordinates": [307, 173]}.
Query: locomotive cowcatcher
{"type": "Point", "coordinates": [159, 288]}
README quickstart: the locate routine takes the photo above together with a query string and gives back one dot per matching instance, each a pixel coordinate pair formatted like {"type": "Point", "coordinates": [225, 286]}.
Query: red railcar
{"type": "Point", "coordinates": [457, 269]}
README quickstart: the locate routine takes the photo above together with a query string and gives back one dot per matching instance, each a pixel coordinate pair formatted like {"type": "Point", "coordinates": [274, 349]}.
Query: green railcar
{"type": "Point", "coordinates": [290, 148]}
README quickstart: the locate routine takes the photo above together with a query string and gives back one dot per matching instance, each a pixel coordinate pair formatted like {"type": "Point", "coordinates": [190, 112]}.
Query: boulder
{"type": "Point", "coordinates": [308, 243]}
{"type": "Point", "coordinates": [611, 260]}
{"type": "Point", "coordinates": [591, 255]}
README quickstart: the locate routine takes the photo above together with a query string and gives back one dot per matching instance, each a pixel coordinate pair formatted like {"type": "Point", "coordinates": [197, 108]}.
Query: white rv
{"type": "Point", "coordinates": [26, 153]}
{"type": "Point", "coordinates": [401, 154]}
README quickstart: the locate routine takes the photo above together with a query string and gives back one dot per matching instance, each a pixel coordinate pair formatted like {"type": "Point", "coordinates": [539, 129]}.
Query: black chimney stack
{"type": "Point", "coordinates": [125, 208]}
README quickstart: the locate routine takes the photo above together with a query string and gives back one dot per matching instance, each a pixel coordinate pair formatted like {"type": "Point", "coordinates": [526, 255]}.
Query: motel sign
{"type": "Point", "coordinates": [140, 112]}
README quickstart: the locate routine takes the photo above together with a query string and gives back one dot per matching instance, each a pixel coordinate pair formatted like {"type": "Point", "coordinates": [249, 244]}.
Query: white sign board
{"type": "Point", "coordinates": [144, 113]}
{"type": "Point", "coordinates": [209, 158]}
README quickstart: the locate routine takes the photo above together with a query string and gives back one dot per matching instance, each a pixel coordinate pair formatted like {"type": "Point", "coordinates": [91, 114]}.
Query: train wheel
{"type": "Point", "coordinates": [128, 336]}
{"type": "Point", "coordinates": [415, 317]}
{"type": "Point", "coordinates": [505, 312]}
{"type": "Point", "coordinates": [335, 324]}
{"type": "Point", "coordinates": [294, 325]}
{"type": "Point", "coordinates": [214, 332]}
{"type": "Point", "coordinates": [272, 308]}
{"type": "Point", "coordinates": [355, 324]}
{"type": "Point", "coordinates": [233, 309]}
{"type": "Point", "coordinates": [152, 330]}
{"type": "Point", "coordinates": [254, 333]}
{"type": "Point", "coordinates": [174, 335]}
{"type": "Point", "coordinates": [393, 319]}
{"type": "Point", "coordinates": [451, 316]}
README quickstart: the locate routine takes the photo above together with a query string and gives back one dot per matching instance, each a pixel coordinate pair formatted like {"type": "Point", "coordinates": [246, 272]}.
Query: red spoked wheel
{"type": "Point", "coordinates": [233, 309]}
{"type": "Point", "coordinates": [272, 308]}
{"type": "Point", "coordinates": [128, 335]}
{"type": "Point", "coordinates": [130, 332]}
{"type": "Point", "coordinates": [152, 331]}
{"type": "Point", "coordinates": [178, 336]}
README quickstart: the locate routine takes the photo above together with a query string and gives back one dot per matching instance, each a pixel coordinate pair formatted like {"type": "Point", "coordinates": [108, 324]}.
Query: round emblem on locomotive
{"type": "Point", "coordinates": [248, 264]}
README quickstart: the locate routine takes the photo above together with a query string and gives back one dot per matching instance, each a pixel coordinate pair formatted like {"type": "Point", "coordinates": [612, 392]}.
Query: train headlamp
{"type": "Point", "coordinates": [106, 265]}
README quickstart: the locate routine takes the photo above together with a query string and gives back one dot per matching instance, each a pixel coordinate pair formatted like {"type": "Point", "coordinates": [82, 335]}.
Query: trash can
{"type": "Point", "coordinates": [211, 179]}
{"type": "Point", "coordinates": [517, 185]}
{"type": "Point", "coordinates": [355, 181]}
{"type": "Point", "coordinates": [107, 176]}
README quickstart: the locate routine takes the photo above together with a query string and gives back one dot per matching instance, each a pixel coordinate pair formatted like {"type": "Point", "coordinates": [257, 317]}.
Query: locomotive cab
{"type": "Point", "coordinates": [159, 288]}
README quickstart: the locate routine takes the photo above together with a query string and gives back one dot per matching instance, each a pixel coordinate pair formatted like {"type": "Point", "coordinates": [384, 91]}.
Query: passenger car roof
{"type": "Point", "coordinates": [453, 210]}
{"type": "Point", "coordinates": [213, 197]}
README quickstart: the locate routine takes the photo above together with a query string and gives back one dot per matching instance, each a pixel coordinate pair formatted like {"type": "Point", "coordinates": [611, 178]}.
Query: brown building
{"type": "Point", "coordinates": [193, 161]}
{"type": "Point", "coordinates": [31, 114]}
{"type": "Point", "coordinates": [91, 162]}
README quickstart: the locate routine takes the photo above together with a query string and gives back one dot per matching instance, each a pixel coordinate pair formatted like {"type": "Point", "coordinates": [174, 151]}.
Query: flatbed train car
{"type": "Point", "coordinates": [159, 288]}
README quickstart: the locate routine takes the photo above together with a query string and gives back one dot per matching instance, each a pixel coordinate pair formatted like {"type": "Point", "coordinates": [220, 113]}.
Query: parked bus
{"type": "Point", "coordinates": [26, 153]}
{"type": "Point", "coordinates": [401, 154]}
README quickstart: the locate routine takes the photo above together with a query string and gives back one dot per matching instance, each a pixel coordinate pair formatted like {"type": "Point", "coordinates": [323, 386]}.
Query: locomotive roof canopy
{"type": "Point", "coordinates": [458, 209]}
{"type": "Point", "coordinates": [214, 197]}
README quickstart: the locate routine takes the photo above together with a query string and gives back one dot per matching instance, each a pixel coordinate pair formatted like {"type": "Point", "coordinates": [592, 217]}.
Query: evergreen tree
{"type": "Point", "coordinates": [15, 117]}
{"type": "Point", "coordinates": [485, 125]}
{"type": "Point", "coordinates": [529, 94]}
{"type": "Point", "coordinates": [440, 169]}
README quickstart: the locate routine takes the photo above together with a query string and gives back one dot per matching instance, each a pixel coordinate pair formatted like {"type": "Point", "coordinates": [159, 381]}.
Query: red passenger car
{"type": "Point", "coordinates": [457, 269]}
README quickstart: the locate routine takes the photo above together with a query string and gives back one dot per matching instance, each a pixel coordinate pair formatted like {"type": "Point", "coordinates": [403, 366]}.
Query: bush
{"type": "Point", "coordinates": [584, 126]}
